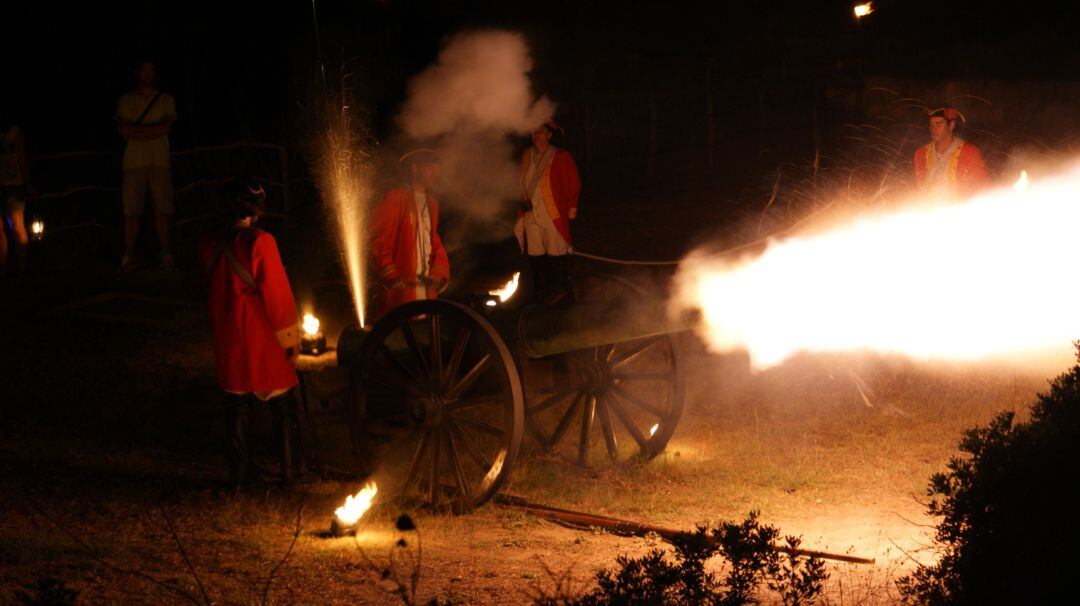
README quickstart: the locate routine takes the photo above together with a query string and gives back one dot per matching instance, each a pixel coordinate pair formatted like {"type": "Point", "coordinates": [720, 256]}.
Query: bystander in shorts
{"type": "Point", "coordinates": [157, 179]}
{"type": "Point", "coordinates": [12, 199]}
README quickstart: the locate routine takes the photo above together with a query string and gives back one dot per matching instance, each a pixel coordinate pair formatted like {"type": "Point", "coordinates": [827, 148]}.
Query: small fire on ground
{"type": "Point", "coordinates": [508, 289]}
{"type": "Point", "coordinates": [985, 279]}
{"type": "Point", "coordinates": [356, 505]}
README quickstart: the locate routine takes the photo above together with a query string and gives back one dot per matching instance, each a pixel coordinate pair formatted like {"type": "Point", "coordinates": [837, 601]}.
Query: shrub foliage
{"type": "Point", "coordinates": [681, 577]}
{"type": "Point", "coordinates": [1008, 518]}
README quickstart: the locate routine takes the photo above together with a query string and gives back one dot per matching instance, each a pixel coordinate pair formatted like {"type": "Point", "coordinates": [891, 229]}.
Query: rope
{"type": "Point", "coordinates": [578, 253]}
{"type": "Point", "coordinates": [721, 253]}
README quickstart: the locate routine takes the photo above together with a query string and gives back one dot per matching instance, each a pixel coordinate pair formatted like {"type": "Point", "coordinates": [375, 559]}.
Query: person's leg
{"type": "Point", "coordinates": [3, 240]}
{"type": "Point", "coordinates": [133, 193]}
{"type": "Point", "coordinates": [22, 239]}
{"type": "Point", "coordinates": [538, 266]}
{"type": "Point", "coordinates": [286, 424]}
{"type": "Point", "coordinates": [161, 190]}
{"type": "Point", "coordinates": [534, 248]}
{"type": "Point", "coordinates": [560, 275]}
{"type": "Point", "coordinates": [237, 422]}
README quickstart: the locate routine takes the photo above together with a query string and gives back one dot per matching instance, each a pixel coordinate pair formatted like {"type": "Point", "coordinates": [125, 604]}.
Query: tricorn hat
{"type": "Point", "coordinates": [421, 155]}
{"type": "Point", "coordinates": [949, 113]}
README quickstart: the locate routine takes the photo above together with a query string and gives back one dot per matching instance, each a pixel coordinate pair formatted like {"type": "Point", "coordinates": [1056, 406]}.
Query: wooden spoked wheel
{"type": "Point", "coordinates": [438, 405]}
{"type": "Point", "coordinates": [612, 403]}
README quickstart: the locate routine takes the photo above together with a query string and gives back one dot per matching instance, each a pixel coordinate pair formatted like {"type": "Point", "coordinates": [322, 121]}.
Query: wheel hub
{"type": "Point", "coordinates": [433, 410]}
{"type": "Point", "coordinates": [595, 376]}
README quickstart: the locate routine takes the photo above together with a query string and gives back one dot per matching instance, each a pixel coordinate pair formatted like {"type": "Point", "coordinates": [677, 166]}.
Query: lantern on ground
{"type": "Point", "coordinates": [312, 340]}
{"type": "Point", "coordinates": [37, 229]}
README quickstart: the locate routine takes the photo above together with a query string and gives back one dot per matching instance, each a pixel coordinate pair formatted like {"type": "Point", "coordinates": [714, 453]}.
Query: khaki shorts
{"type": "Point", "coordinates": [12, 200]}
{"type": "Point", "coordinates": [158, 179]}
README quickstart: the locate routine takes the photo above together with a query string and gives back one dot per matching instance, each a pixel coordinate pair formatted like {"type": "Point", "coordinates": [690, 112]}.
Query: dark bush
{"type": "Point", "coordinates": [46, 592]}
{"type": "Point", "coordinates": [748, 548]}
{"type": "Point", "coordinates": [1009, 522]}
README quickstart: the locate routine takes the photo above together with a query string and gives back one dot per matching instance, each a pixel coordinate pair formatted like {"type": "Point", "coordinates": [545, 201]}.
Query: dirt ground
{"type": "Point", "coordinates": [113, 476]}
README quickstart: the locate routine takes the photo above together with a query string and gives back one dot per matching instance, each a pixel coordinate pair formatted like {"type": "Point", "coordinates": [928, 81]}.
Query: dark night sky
{"type": "Point", "coordinates": [246, 72]}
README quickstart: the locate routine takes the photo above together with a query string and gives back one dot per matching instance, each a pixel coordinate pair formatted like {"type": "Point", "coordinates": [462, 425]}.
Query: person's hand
{"type": "Point", "coordinates": [436, 282]}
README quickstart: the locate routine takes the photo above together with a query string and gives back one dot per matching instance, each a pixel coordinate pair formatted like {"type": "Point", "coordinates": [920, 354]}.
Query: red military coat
{"type": "Point", "coordinates": [251, 327]}
{"type": "Point", "coordinates": [561, 187]}
{"type": "Point", "coordinates": [393, 251]}
{"type": "Point", "coordinates": [965, 174]}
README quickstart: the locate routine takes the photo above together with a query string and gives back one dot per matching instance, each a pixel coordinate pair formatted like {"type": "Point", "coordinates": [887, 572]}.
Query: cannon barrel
{"type": "Point", "coordinates": [547, 330]}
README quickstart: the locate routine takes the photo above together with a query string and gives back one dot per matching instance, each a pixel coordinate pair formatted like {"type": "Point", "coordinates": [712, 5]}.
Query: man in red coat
{"type": "Point", "coordinates": [408, 257]}
{"type": "Point", "coordinates": [550, 188]}
{"type": "Point", "coordinates": [255, 330]}
{"type": "Point", "coordinates": [949, 166]}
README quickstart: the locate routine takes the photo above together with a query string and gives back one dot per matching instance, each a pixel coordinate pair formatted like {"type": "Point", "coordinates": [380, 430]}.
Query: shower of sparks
{"type": "Point", "coordinates": [346, 185]}
{"type": "Point", "coordinates": [989, 278]}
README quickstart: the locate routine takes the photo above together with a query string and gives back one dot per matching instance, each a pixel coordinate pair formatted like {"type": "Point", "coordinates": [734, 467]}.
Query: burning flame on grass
{"type": "Point", "coordinates": [357, 505]}
{"type": "Point", "coordinates": [862, 10]}
{"type": "Point", "coordinates": [508, 289]}
{"type": "Point", "coordinates": [310, 325]}
{"type": "Point", "coordinates": [990, 278]}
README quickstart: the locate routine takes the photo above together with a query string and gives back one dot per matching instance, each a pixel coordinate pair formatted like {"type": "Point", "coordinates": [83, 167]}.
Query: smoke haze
{"type": "Point", "coordinates": [469, 105]}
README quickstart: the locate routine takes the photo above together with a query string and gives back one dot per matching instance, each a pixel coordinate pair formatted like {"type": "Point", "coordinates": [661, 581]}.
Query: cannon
{"type": "Point", "coordinates": [444, 395]}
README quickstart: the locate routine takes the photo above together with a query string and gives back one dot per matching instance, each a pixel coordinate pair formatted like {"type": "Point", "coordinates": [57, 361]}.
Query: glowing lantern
{"type": "Point", "coordinates": [37, 229]}
{"type": "Point", "coordinates": [312, 341]}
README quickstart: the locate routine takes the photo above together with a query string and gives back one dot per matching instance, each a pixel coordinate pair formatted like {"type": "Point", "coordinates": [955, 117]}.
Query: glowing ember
{"type": "Point", "coordinates": [310, 325]}
{"type": "Point", "coordinates": [862, 10]}
{"type": "Point", "coordinates": [652, 430]}
{"type": "Point", "coordinates": [1021, 183]}
{"type": "Point", "coordinates": [508, 289]}
{"type": "Point", "coordinates": [986, 279]}
{"type": "Point", "coordinates": [356, 506]}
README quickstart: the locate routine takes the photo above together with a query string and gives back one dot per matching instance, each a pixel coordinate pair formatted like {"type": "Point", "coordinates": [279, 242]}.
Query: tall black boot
{"type": "Point", "coordinates": [541, 276]}
{"type": "Point", "coordinates": [237, 423]}
{"type": "Point", "coordinates": [286, 424]}
{"type": "Point", "coordinates": [561, 287]}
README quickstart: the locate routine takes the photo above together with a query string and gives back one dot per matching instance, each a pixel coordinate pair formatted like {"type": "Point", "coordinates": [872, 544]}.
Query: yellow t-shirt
{"type": "Point", "coordinates": [150, 152]}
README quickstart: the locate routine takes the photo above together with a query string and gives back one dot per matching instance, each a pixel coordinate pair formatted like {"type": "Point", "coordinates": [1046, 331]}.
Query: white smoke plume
{"type": "Point", "coordinates": [471, 102]}
{"type": "Point", "coordinates": [479, 83]}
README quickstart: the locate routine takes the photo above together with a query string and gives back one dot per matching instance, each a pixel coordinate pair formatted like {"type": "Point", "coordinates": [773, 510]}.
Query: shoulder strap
{"type": "Point", "coordinates": [224, 248]}
{"type": "Point", "coordinates": [146, 110]}
{"type": "Point", "coordinates": [241, 271]}
{"type": "Point", "coordinates": [545, 162]}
